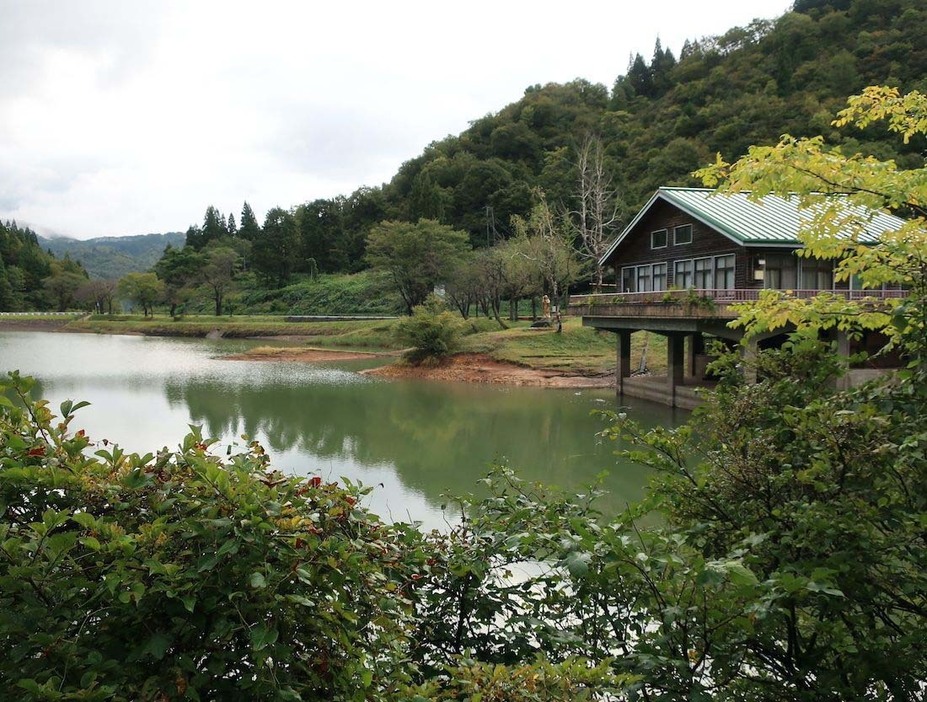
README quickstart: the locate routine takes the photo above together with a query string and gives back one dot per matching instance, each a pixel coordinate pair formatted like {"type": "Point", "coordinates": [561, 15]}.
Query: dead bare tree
{"type": "Point", "coordinates": [541, 239]}
{"type": "Point", "coordinates": [599, 205]}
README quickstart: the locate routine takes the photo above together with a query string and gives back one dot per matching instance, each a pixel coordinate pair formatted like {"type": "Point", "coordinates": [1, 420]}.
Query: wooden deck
{"type": "Point", "coordinates": [685, 317]}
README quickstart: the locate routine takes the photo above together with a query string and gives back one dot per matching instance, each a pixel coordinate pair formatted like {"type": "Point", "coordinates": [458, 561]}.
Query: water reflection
{"type": "Point", "coordinates": [418, 439]}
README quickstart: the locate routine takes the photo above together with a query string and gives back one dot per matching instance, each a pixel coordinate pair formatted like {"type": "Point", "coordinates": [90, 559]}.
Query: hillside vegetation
{"type": "Point", "coordinates": [520, 169]}
{"type": "Point", "coordinates": [111, 257]}
{"type": "Point", "coordinates": [659, 121]}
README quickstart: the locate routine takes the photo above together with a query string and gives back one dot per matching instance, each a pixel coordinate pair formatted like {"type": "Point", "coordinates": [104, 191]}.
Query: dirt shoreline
{"type": "Point", "coordinates": [55, 324]}
{"type": "Point", "coordinates": [480, 368]}
{"type": "Point", "coordinates": [462, 368]}
{"type": "Point", "coordinates": [301, 355]}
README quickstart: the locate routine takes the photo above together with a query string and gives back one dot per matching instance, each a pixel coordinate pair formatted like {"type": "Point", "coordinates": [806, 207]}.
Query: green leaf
{"type": "Point", "coordinates": [577, 562]}
{"type": "Point", "coordinates": [85, 519]}
{"type": "Point", "coordinates": [230, 546]}
{"type": "Point", "coordinates": [263, 636]}
{"type": "Point", "coordinates": [257, 580]}
{"type": "Point", "coordinates": [91, 542]}
{"type": "Point", "coordinates": [739, 573]}
{"type": "Point", "coordinates": [156, 646]}
{"type": "Point", "coordinates": [207, 563]}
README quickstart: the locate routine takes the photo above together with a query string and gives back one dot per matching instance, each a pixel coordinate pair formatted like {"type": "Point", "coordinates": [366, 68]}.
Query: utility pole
{"type": "Point", "coordinates": [491, 233]}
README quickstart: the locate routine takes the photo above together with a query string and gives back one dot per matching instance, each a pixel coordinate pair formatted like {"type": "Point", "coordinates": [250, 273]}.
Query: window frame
{"type": "Point", "coordinates": [777, 268]}
{"type": "Point", "coordinates": [665, 233]}
{"type": "Point", "coordinates": [629, 273]}
{"type": "Point", "coordinates": [662, 276]}
{"type": "Point", "coordinates": [820, 270]}
{"type": "Point", "coordinates": [703, 275]}
{"type": "Point", "coordinates": [644, 273]}
{"type": "Point", "coordinates": [729, 270]}
{"type": "Point", "coordinates": [690, 274]}
{"type": "Point", "coordinates": [676, 241]}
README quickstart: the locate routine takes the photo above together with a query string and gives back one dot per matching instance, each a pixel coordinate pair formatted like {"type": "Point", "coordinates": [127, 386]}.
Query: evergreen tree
{"type": "Point", "coordinates": [661, 67]}
{"type": "Point", "coordinates": [640, 78]}
{"type": "Point", "coordinates": [249, 228]}
{"type": "Point", "coordinates": [6, 290]}
{"type": "Point", "coordinates": [214, 226]}
{"type": "Point", "coordinates": [274, 251]}
{"type": "Point", "coordinates": [195, 238]}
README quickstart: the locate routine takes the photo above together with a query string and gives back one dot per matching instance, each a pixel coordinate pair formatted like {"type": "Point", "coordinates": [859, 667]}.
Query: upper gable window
{"type": "Point", "coordinates": [658, 239]}
{"type": "Point", "coordinates": [682, 235]}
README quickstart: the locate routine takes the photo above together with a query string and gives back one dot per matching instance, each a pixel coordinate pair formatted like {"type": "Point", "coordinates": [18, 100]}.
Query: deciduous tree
{"type": "Point", "coordinates": [97, 295]}
{"type": "Point", "coordinates": [599, 205]}
{"type": "Point", "coordinates": [547, 246]}
{"type": "Point", "coordinates": [62, 286]}
{"type": "Point", "coordinates": [836, 191]}
{"type": "Point", "coordinates": [416, 257]}
{"type": "Point", "coordinates": [143, 289]}
{"type": "Point", "coordinates": [218, 273]}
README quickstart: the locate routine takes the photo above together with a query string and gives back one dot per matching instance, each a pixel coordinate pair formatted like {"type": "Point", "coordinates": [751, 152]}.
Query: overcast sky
{"type": "Point", "coordinates": [127, 117]}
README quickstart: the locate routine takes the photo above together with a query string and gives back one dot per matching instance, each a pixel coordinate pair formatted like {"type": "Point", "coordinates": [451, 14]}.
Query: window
{"type": "Point", "coordinates": [724, 272]}
{"type": "Point", "coordinates": [628, 279]}
{"type": "Point", "coordinates": [682, 235]}
{"type": "Point", "coordinates": [781, 272]}
{"type": "Point", "coordinates": [659, 276]}
{"type": "Point", "coordinates": [817, 274]}
{"type": "Point", "coordinates": [683, 274]}
{"type": "Point", "coordinates": [702, 279]}
{"type": "Point", "coordinates": [658, 239]}
{"type": "Point", "coordinates": [643, 279]}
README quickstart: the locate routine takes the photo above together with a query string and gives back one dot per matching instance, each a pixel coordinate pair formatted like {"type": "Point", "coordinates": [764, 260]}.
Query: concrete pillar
{"type": "Point", "coordinates": [675, 364]}
{"type": "Point", "coordinates": [623, 369]}
{"type": "Point", "coordinates": [690, 355]}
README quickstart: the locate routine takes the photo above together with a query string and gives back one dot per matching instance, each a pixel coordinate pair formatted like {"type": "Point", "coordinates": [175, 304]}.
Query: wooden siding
{"type": "Point", "coordinates": [636, 249]}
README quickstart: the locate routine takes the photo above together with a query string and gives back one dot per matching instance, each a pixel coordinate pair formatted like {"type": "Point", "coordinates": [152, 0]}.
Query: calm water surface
{"type": "Point", "coordinates": [414, 441]}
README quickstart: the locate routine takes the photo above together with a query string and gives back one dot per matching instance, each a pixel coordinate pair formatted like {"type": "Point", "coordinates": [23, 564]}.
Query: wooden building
{"type": "Point", "coordinates": [690, 253]}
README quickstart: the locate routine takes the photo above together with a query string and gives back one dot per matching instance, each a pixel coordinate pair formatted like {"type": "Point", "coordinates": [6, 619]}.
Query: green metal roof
{"type": "Point", "coordinates": [772, 220]}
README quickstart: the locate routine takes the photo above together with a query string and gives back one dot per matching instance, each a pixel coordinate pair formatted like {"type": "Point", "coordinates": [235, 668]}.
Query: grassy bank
{"type": "Point", "coordinates": [578, 349]}
{"type": "Point", "coordinates": [360, 334]}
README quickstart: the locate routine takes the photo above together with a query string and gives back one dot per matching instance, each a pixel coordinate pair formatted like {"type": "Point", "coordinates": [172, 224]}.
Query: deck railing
{"type": "Point", "coordinates": [702, 302]}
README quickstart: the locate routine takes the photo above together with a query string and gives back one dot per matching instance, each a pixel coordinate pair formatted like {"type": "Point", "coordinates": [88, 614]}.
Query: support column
{"type": "Point", "coordinates": [675, 364]}
{"type": "Point", "coordinates": [690, 355]}
{"type": "Point", "coordinates": [623, 369]}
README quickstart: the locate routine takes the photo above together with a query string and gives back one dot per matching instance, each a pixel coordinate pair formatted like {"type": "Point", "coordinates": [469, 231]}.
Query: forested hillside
{"type": "Point", "coordinates": [660, 120]}
{"type": "Point", "coordinates": [667, 116]}
{"type": "Point", "coordinates": [111, 257]}
{"type": "Point", "coordinates": [31, 278]}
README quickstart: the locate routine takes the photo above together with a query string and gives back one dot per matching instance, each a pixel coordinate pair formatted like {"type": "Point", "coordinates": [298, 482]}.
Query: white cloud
{"type": "Point", "coordinates": [124, 118]}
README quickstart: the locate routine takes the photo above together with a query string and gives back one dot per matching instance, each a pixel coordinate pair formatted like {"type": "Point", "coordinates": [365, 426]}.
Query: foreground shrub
{"type": "Point", "coordinates": [573, 680]}
{"type": "Point", "coordinates": [432, 332]}
{"type": "Point", "coordinates": [182, 576]}
{"type": "Point", "coordinates": [787, 562]}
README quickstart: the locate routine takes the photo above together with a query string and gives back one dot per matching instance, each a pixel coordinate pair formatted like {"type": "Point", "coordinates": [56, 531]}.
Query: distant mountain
{"type": "Point", "coordinates": [111, 257]}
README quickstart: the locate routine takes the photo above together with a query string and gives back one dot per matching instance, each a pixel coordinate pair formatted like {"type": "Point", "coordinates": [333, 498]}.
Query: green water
{"type": "Point", "coordinates": [414, 441]}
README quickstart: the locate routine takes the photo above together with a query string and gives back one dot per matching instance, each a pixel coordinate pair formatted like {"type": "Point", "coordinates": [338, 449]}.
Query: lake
{"type": "Point", "coordinates": [414, 441]}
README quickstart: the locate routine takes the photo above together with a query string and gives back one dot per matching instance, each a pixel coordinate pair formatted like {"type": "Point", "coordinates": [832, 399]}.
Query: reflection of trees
{"type": "Point", "coordinates": [439, 437]}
